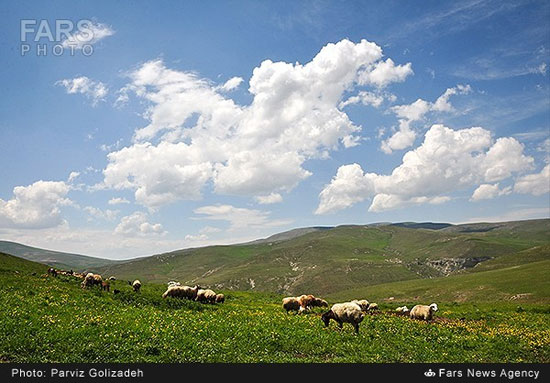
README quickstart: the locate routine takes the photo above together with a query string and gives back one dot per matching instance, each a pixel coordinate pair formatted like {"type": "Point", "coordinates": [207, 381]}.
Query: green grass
{"type": "Point", "coordinates": [528, 283]}
{"type": "Point", "coordinates": [46, 319]}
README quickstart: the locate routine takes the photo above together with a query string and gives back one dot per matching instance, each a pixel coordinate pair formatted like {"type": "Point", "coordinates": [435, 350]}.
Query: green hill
{"type": "Point", "coordinates": [516, 284]}
{"type": "Point", "coordinates": [330, 260]}
{"type": "Point", "coordinates": [53, 258]}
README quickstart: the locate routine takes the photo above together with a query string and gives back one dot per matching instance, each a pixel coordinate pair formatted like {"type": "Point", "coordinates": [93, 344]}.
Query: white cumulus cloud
{"type": "Point", "coordinates": [407, 114]}
{"type": "Point", "coordinates": [195, 135]}
{"type": "Point", "coordinates": [535, 184]}
{"type": "Point", "coordinates": [35, 206]}
{"type": "Point", "coordinates": [136, 224]}
{"type": "Point", "coordinates": [448, 160]}
{"type": "Point", "coordinates": [489, 191]}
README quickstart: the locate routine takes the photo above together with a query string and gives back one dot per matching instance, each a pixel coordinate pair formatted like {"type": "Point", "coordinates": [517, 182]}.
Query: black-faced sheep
{"type": "Point", "coordinates": [220, 298]}
{"type": "Point", "coordinates": [291, 304]}
{"type": "Point", "coordinates": [423, 312]}
{"type": "Point", "coordinates": [318, 302]}
{"type": "Point", "coordinates": [306, 301]}
{"type": "Point", "coordinates": [136, 285]}
{"type": "Point", "coordinates": [363, 303]}
{"type": "Point", "coordinates": [181, 292]}
{"type": "Point", "coordinates": [347, 312]}
{"type": "Point", "coordinates": [52, 272]}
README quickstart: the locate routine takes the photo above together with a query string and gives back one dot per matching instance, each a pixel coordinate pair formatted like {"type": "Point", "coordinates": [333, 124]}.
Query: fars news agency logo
{"type": "Point", "coordinates": [62, 37]}
{"type": "Point", "coordinates": [429, 373]}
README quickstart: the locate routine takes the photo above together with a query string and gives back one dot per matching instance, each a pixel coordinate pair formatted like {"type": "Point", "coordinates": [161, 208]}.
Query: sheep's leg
{"type": "Point", "coordinates": [340, 324]}
{"type": "Point", "coordinates": [356, 326]}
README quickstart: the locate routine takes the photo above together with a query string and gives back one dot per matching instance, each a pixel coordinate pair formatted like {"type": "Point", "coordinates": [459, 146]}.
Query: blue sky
{"type": "Point", "coordinates": [196, 123]}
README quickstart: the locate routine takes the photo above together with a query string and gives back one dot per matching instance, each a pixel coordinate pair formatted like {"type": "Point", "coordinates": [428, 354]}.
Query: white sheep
{"type": "Point", "coordinates": [173, 283]}
{"type": "Point", "coordinates": [291, 304]}
{"type": "Point", "coordinates": [423, 312]}
{"type": "Point", "coordinates": [181, 292]}
{"type": "Point", "coordinates": [206, 295]}
{"type": "Point", "coordinates": [403, 310]}
{"type": "Point", "coordinates": [136, 285]}
{"type": "Point", "coordinates": [220, 298]}
{"type": "Point", "coordinates": [91, 279]}
{"type": "Point", "coordinates": [347, 312]}
{"type": "Point", "coordinates": [363, 303]}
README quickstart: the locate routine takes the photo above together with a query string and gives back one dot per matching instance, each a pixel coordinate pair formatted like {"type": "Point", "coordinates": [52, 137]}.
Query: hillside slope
{"type": "Point", "coordinates": [346, 257]}
{"type": "Point", "coordinates": [524, 283]}
{"type": "Point", "coordinates": [53, 258]}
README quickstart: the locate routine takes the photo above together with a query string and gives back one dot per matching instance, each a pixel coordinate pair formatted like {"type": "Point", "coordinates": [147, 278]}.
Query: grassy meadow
{"type": "Point", "coordinates": [47, 319]}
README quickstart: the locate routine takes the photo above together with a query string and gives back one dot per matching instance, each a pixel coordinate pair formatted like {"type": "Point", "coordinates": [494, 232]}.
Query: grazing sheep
{"type": "Point", "coordinates": [403, 310]}
{"type": "Point", "coordinates": [136, 285]}
{"type": "Point", "coordinates": [423, 312]}
{"type": "Point", "coordinates": [372, 307]}
{"type": "Point", "coordinates": [52, 272]}
{"type": "Point", "coordinates": [206, 296]}
{"type": "Point", "coordinates": [318, 302]}
{"type": "Point", "coordinates": [306, 301]}
{"type": "Point", "coordinates": [220, 298]}
{"type": "Point", "coordinates": [111, 278]}
{"type": "Point", "coordinates": [181, 292]}
{"type": "Point", "coordinates": [291, 304]}
{"type": "Point", "coordinates": [91, 279]}
{"type": "Point", "coordinates": [105, 286]}
{"type": "Point", "coordinates": [363, 303]}
{"type": "Point", "coordinates": [347, 312]}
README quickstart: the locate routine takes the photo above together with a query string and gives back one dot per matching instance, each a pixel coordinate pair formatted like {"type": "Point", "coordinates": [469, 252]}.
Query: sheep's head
{"type": "Point", "coordinates": [433, 307]}
{"type": "Point", "coordinates": [326, 317]}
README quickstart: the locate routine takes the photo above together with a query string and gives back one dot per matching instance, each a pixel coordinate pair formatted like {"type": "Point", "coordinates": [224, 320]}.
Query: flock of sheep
{"type": "Point", "coordinates": [176, 290]}
{"type": "Point", "coordinates": [352, 312]}
{"type": "Point", "coordinates": [348, 312]}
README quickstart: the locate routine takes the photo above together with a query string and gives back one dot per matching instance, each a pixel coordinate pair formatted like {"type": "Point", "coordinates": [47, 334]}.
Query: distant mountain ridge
{"type": "Point", "coordinates": [53, 258]}
{"type": "Point", "coordinates": [326, 260]}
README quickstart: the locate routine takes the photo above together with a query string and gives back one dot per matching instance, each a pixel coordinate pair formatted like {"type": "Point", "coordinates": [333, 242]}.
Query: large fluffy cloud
{"type": "Point", "coordinates": [448, 160]}
{"type": "Point", "coordinates": [196, 135]}
{"type": "Point", "coordinates": [35, 206]}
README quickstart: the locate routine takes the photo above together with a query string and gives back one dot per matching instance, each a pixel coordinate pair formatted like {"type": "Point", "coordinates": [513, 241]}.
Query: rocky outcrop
{"type": "Point", "coordinates": [447, 266]}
